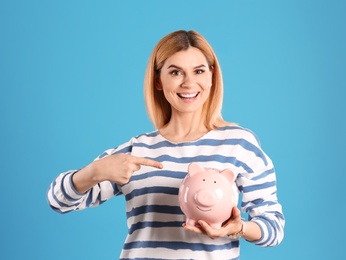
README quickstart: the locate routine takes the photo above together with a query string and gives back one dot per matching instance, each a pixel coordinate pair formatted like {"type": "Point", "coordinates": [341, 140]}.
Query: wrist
{"type": "Point", "coordinates": [94, 172]}
{"type": "Point", "coordinates": [84, 179]}
{"type": "Point", "coordinates": [241, 232]}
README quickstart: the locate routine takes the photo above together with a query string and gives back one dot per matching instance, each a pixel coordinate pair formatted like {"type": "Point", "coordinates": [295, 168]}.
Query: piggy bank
{"type": "Point", "coordinates": [207, 194]}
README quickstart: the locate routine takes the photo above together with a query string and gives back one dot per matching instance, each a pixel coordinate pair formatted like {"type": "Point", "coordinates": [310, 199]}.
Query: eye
{"type": "Point", "coordinates": [214, 181]}
{"type": "Point", "coordinates": [199, 71]}
{"type": "Point", "coordinates": [175, 72]}
{"type": "Point", "coordinates": [203, 179]}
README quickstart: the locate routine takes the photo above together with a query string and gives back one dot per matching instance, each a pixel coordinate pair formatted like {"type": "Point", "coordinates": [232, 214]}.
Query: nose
{"type": "Point", "coordinates": [188, 81]}
{"type": "Point", "coordinates": [205, 198]}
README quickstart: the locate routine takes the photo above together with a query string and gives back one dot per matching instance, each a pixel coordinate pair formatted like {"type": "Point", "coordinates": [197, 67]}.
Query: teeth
{"type": "Point", "coordinates": [188, 95]}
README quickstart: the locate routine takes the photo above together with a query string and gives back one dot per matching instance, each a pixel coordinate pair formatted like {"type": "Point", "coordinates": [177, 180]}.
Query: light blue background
{"type": "Point", "coordinates": [71, 77]}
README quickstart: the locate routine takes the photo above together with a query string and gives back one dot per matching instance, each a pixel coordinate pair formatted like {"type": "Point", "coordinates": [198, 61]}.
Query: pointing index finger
{"type": "Point", "coordinates": [148, 162]}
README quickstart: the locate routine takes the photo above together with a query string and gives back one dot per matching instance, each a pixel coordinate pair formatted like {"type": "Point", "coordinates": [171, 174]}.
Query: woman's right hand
{"type": "Point", "coordinates": [117, 168]}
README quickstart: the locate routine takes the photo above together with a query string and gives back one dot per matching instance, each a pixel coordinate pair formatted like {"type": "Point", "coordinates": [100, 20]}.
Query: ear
{"type": "Point", "coordinates": [229, 175]}
{"type": "Point", "coordinates": [194, 168]}
{"type": "Point", "coordinates": [211, 69]}
{"type": "Point", "coordinates": [158, 84]}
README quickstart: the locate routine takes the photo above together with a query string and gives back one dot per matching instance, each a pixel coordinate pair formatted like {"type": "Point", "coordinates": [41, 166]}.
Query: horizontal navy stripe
{"type": "Point", "coordinates": [148, 190]}
{"type": "Point", "coordinates": [264, 174]}
{"type": "Point", "coordinates": [257, 187]}
{"type": "Point", "coordinates": [155, 224]}
{"type": "Point", "coordinates": [126, 149]}
{"type": "Point", "coordinates": [176, 245]}
{"type": "Point", "coordinates": [228, 127]}
{"type": "Point", "coordinates": [256, 202]}
{"type": "Point", "coordinates": [163, 209]}
{"type": "Point", "coordinates": [151, 134]}
{"type": "Point", "coordinates": [161, 173]}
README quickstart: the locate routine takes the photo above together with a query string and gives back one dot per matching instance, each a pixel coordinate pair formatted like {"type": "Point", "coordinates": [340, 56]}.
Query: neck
{"type": "Point", "coordinates": [184, 129]}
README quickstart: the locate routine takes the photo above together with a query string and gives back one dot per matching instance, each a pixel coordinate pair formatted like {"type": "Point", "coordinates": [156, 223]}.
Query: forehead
{"type": "Point", "coordinates": [187, 58]}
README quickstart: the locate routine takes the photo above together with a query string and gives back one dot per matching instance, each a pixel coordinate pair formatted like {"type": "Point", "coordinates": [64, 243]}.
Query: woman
{"type": "Point", "coordinates": [183, 92]}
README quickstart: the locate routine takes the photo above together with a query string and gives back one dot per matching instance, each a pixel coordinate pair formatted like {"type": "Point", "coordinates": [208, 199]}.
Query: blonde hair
{"type": "Point", "coordinates": [158, 108]}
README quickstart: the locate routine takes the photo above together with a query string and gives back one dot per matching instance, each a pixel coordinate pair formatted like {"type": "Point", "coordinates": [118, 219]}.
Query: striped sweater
{"type": "Point", "coordinates": [154, 218]}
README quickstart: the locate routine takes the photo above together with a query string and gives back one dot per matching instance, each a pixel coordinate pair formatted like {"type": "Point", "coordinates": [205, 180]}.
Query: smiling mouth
{"type": "Point", "coordinates": [205, 210]}
{"type": "Point", "coordinates": [188, 95]}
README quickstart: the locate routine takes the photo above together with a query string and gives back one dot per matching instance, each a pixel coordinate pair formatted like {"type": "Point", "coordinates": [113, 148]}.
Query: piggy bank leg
{"type": "Point", "coordinates": [190, 222]}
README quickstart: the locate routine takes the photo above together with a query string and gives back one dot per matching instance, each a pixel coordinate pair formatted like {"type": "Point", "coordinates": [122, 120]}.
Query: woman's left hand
{"type": "Point", "coordinates": [231, 226]}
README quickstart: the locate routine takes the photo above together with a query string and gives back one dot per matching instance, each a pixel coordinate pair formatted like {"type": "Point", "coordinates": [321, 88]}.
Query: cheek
{"type": "Point", "coordinates": [168, 84]}
{"type": "Point", "coordinates": [207, 82]}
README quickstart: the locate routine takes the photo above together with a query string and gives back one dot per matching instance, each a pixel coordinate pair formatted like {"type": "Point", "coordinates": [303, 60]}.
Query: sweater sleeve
{"type": "Point", "coordinates": [63, 197]}
{"type": "Point", "coordinates": [259, 192]}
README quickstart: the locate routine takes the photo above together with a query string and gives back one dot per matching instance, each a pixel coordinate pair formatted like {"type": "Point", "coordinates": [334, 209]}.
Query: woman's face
{"type": "Point", "coordinates": [185, 80]}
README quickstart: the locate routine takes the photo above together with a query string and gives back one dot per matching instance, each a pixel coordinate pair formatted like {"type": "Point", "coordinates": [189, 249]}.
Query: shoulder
{"type": "Point", "coordinates": [248, 143]}
{"type": "Point", "coordinates": [147, 135]}
{"type": "Point", "coordinates": [238, 132]}
{"type": "Point", "coordinates": [148, 138]}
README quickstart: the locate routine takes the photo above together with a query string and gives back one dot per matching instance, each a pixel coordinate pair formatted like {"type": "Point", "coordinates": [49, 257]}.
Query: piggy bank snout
{"type": "Point", "coordinates": [205, 198]}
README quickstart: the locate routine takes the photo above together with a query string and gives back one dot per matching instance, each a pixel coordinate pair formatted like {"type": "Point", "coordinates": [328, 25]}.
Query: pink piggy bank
{"type": "Point", "coordinates": [207, 194]}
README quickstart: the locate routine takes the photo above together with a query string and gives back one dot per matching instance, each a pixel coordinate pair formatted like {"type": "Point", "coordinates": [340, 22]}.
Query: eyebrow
{"type": "Point", "coordinates": [177, 67]}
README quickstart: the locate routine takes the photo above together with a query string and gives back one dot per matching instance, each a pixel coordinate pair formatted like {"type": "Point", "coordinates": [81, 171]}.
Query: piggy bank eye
{"type": "Point", "coordinates": [203, 179]}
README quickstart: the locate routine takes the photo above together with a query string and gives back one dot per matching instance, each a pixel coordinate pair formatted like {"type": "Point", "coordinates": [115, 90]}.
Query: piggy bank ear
{"type": "Point", "coordinates": [229, 175]}
{"type": "Point", "coordinates": [194, 168]}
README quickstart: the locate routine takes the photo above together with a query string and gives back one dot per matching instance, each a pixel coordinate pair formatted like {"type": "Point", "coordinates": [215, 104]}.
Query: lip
{"type": "Point", "coordinates": [204, 210]}
{"type": "Point", "coordinates": [186, 95]}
